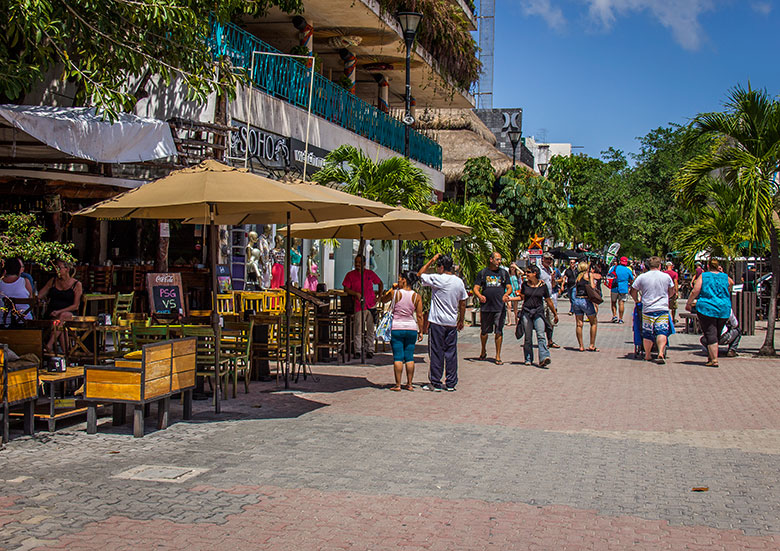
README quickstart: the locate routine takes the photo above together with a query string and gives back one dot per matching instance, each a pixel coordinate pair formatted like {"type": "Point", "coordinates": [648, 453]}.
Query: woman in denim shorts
{"type": "Point", "coordinates": [583, 307]}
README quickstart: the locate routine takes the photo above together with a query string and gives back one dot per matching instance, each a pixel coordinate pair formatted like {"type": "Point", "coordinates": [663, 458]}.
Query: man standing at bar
{"type": "Point", "coordinates": [363, 320]}
{"type": "Point", "coordinates": [446, 317]}
{"type": "Point", "coordinates": [490, 287]}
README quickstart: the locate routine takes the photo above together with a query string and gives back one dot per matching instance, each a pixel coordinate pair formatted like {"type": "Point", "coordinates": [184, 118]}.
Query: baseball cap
{"type": "Point", "coordinates": [547, 255]}
{"type": "Point", "coordinates": [624, 260]}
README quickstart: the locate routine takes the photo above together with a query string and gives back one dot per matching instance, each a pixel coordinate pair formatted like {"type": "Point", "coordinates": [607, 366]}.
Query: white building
{"type": "Point", "coordinates": [543, 152]}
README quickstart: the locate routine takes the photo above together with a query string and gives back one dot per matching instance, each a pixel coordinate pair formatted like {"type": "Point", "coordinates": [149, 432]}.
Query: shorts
{"type": "Point", "coordinates": [711, 328]}
{"type": "Point", "coordinates": [656, 324]}
{"type": "Point", "coordinates": [583, 307]}
{"type": "Point", "coordinates": [615, 296]}
{"type": "Point", "coordinates": [492, 321]}
{"type": "Point", "coordinates": [402, 343]}
{"type": "Point", "coordinates": [673, 303]}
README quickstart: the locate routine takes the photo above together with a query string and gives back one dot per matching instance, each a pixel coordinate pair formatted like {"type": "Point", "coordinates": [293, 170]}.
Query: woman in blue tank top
{"type": "Point", "coordinates": [712, 294]}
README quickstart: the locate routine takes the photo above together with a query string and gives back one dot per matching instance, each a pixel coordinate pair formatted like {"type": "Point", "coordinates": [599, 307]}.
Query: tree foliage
{"type": "Point", "coordinates": [489, 232]}
{"type": "Point", "coordinates": [531, 204]}
{"type": "Point", "coordinates": [23, 237]}
{"type": "Point", "coordinates": [479, 177]}
{"type": "Point", "coordinates": [394, 181]}
{"type": "Point", "coordinates": [102, 45]}
{"type": "Point", "coordinates": [744, 153]}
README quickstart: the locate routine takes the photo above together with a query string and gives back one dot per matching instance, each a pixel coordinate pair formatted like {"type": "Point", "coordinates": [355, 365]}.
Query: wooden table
{"type": "Point", "coordinates": [88, 298]}
{"type": "Point", "coordinates": [80, 329]}
{"type": "Point", "coordinates": [49, 411]}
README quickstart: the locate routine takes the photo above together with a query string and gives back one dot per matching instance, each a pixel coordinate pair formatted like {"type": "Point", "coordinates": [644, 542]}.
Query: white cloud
{"type": "Point", "coordinates": [543, 8]}
{"type": "Point", "coordinates": [681, 17]}
{"type": "Point", "coordinates": [763, 8]}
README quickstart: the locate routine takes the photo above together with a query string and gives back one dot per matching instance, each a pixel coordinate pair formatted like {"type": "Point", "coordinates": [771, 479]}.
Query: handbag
{"type": "Point", "coordinates": [593, 294]}
{"type": "Point", "coordinates": [385, 326]}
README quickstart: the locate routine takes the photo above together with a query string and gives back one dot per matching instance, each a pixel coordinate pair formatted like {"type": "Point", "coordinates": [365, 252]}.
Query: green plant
{"type": "Point", "coordinates": [22, 237]}
{"type": "Point", "coordinates": [444, 33]}
{"type": "Point", "coordinates": [479, 176]}
{"type": "Point", "coordinates": [345, 82]}
{"type": "Point", "coordinates": [303, 50]}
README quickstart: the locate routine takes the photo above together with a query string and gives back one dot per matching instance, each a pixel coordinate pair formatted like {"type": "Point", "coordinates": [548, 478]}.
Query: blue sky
{"type": "Point", "coordinates": [600, 73]}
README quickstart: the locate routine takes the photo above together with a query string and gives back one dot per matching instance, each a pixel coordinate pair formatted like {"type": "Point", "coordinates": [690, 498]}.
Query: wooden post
{"type": "Point", "coordinates": [138, 421]}
{"type": "Point", "coordinates": [161, 263]}
{"type": "Point", "coordinates": [187, 405]}
{"type": "Point", "coordinates": [119, 415]}
{"type": "Point", "coordinates": [91, 418]}
{"type": "Point", "coordinates": [163, 409]}
{"type": "Point", "coordinates": [29, 417]}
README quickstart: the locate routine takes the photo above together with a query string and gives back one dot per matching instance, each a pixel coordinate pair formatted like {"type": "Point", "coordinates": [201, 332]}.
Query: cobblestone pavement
{"type": "Point", "coordinates": [598, 452]}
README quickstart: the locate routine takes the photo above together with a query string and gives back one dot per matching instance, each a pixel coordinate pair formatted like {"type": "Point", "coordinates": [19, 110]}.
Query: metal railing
{"type": "Point", "coordinates": [288, 79]}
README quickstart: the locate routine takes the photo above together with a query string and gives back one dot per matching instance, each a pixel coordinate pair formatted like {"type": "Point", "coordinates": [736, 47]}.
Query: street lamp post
{"type": "Point", "coordinates": [514, 137]}
{"type": "Point", "coordinates": [409, 21]}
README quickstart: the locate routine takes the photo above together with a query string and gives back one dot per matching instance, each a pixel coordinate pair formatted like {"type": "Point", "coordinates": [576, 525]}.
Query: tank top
{"type": "Point", "coordinates": [59, 299]}
{"type": "Point", "coordinates": [581, 292]}
{"type": "Point", "coordinates": [16, 289]}
{"type": "Point", "coordinates": [714, 298]}
{"type": "Point", "coordinates": [404, 318]}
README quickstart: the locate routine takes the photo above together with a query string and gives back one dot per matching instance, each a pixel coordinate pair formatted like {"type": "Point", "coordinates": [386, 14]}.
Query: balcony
{"type": "Point", "coordinates": [288, 79]}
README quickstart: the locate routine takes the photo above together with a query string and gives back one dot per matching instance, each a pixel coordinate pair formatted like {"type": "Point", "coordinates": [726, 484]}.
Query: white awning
{"type": "Point", "coordinates": [81, 133]}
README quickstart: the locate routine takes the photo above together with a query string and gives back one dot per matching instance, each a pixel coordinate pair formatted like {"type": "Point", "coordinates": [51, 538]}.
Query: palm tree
{"type": "Point", "coordinates": [394, 181]}
{"type": "Point", "coordinates": [489, 232]}
{"type": "Point", "coordinates": [745, 154]}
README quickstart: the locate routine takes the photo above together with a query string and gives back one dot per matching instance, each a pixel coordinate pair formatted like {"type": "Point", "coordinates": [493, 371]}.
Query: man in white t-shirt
{"type": "Point", "coordinates": [655, 288]}
{"type": "Point", "coordinates": [445, 319]}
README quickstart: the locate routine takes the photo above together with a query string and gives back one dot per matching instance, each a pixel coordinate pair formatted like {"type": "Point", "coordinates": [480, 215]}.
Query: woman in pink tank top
{"type": "Point", "coordinates": [407, 326]}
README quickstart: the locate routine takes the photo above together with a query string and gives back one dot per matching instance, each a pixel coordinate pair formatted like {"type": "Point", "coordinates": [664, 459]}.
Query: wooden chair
{"type": "Point", "coordinates": [101, 279]}
{"type": "Point", "coordinates": [205, 354]}
{"type": "Point", "coordinates": [234, 351]}
{"type": "Point", "coordinates": [81, 273]}
{"type": "Point", "coordinates": [123, 305]}
{"type": "Point", "coordinates": [298, 344]}
{"type": "Point", "coordinates": [142, 335]}
{"type": "Point", "coordinates": [331, 331]}
{"type": "Point", "coordinates": [273, 302]}
{"type": "Point", "coordinates": [139, 285]}
{"type": "Point", "coordinates": [226, 306]}
{"type": "Point", "coordinates": [199, 317]}
{"type": "Point", "coordinates": [252, 301]}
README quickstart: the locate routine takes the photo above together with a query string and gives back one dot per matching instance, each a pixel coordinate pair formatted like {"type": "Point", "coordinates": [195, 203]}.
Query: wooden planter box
{"type": "Point", "coordinates": [165, 368]}
{"type": "Point", "coordinates": [19, 383]}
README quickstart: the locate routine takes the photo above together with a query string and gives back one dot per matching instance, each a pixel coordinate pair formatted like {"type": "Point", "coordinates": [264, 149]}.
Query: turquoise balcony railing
{"type": "Point", "coordinates": [288, 79]}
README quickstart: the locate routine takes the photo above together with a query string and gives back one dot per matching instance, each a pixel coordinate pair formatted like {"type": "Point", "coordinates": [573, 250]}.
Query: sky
{"type": "Point", "coordinates": [601, 73]}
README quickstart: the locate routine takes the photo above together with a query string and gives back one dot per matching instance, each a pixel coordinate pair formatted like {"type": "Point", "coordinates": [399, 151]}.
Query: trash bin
{"type": "Point", "coordinates": [744, 305]}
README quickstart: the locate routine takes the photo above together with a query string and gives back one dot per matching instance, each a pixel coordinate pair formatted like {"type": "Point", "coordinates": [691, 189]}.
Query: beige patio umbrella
{"type": "Point", "coordinates": [402, 224]}
{"type": "Point", "coordinates": [213, 193]}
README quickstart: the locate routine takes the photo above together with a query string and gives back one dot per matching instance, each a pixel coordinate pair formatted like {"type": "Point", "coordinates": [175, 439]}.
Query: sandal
{"type": "Point", "coordinates": [499, 362]}
{"type": "Point", "coordinates": [482, 357]}
{"type": "Point", "coordinates": [395, 388]}
{"type": "Point", "coordinates": [408, 387]}
{"type": "Point", "coordinates": [593, 349]}
{"type": "Point", "coordinates": [711, 364]}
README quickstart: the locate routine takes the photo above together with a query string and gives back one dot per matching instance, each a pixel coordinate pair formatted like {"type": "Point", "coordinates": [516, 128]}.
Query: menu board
{"type": "Point", "coordinates": [165, 293]}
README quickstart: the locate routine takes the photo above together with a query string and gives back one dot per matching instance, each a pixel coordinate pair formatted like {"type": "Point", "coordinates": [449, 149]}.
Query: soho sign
{"type": "Point", "coordinates": [262, 145]}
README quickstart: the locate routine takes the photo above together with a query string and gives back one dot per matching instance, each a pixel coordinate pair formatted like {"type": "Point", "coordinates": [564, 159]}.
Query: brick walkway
{"type": "Point", "coordinates": [599, 452]}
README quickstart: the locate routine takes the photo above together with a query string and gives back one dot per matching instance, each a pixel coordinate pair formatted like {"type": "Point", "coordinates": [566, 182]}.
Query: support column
{"type": "Point", "coordinates": [350, 64]}
{"type": "Point", "coordinates": [305, 35]}
{"type": "Point", "coordinates": [384, 93]}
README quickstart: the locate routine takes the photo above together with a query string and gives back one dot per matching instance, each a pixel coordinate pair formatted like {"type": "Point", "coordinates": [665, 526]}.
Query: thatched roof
{"type": "Point", "coordinates": [462, 136]}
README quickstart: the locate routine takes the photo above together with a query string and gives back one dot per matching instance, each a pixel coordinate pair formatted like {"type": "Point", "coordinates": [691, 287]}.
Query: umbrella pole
{"type": "Point", "coordinates": [214, 311]}
{"type": "Point", "coordinates": [287, 308]}
{"type": "Point", "coordinates": [362, 300]}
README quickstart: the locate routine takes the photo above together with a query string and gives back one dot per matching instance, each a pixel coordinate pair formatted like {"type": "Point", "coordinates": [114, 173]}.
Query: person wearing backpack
{"type": "Point", "coordinates": [621, 277]}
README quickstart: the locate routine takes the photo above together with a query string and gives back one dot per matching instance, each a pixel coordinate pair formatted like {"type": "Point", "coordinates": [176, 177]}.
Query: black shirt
{"type": "Point", "coordinates": [571, 276]}
{"type": "Point", "coordinates": [534, 296]}
{"type": "Point", "coordinates": [492, 284]}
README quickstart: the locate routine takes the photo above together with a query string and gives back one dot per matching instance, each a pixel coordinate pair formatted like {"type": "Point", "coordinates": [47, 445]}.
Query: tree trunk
{"type": "Point", "coordinates": [161, 264]}
{"type": "Point", "coordinates": [768, 348]}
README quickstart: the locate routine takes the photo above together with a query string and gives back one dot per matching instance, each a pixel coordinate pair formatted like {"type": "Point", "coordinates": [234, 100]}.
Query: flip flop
{"type": "Point", "coordinates": [408, 387]}
{"type": "Point", "coordinates": [395, 388]}
{"type": "Point", "coordinates": [482, 357]}
{"type": "Point", "coordinates": [660, 360]}
{"type": "Point", "coordinates": [593, 349]}
{"type": "Point", "coordinates": [499, 362]}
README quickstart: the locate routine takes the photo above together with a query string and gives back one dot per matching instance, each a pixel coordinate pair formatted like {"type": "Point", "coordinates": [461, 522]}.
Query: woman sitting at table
{"type": "Point", "coordinates": [64, 294]}
{"type": "Point", "coordinates": [13, 285]}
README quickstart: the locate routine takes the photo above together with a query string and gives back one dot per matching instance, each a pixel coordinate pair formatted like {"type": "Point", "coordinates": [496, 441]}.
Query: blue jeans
{"type": "Point", "coordinates": [529, 326]}
{"type": "Point", "coordinates": [402, 342]}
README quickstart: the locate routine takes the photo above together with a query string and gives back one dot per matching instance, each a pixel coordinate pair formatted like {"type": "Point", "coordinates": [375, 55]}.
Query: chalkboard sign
{"type": "Point", "coordinates": [165, 293]}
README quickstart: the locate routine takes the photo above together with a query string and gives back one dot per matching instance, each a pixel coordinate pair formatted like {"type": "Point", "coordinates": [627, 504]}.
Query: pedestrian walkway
{"type": "Point", "coordinates": [600, 451]}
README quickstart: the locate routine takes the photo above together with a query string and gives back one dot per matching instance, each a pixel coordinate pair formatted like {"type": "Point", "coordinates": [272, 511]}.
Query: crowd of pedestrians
{"type": "Point", "coordinates": [527, 298]}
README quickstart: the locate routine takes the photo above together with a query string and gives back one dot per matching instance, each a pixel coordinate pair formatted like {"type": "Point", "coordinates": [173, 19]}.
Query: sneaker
{"type": "Point", "coordinates": [431, 388]}
{"type": "Point", "coordinates": [545, 362]}
{"type": "Point", "coordinates": [450, 389]}
{"type": "Point", "coordinates": [614, 319]}
{"type": "Point", "coordinates": [528, 362]}
{"type": "Point", "coordinates": [620, 321]}
{"type": "Point", "coordinates": [732, 354]}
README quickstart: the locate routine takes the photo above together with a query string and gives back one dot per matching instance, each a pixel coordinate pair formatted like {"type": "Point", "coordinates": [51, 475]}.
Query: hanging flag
{"type": "Point", "coordinates": [612, 253]}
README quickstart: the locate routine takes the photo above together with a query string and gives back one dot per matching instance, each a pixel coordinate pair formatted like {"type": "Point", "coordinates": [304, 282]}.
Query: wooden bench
{"type": "Point", "coordinates": [165, 368]}
{"type": "Point", "coordinates": [691, 323]}
{"type": "Point", "coordinates": [19, 382]}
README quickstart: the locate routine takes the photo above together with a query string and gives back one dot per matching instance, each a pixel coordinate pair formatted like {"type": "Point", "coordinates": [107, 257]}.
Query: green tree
{"type": "Point", "coordinates": [479, 177]}
{"type": "Point", "coordinates": [22, 237]}
{"type": "Point", "coordinates": [531, 204]}
{"type": "Point", "coordinates": [744, 151]}
{"type": "Point", "coordinates": [104, 44]}
{"type": "Point", "coordinates": [394, 181]}
{"type": "Point", "coordinates": [489, 232]}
